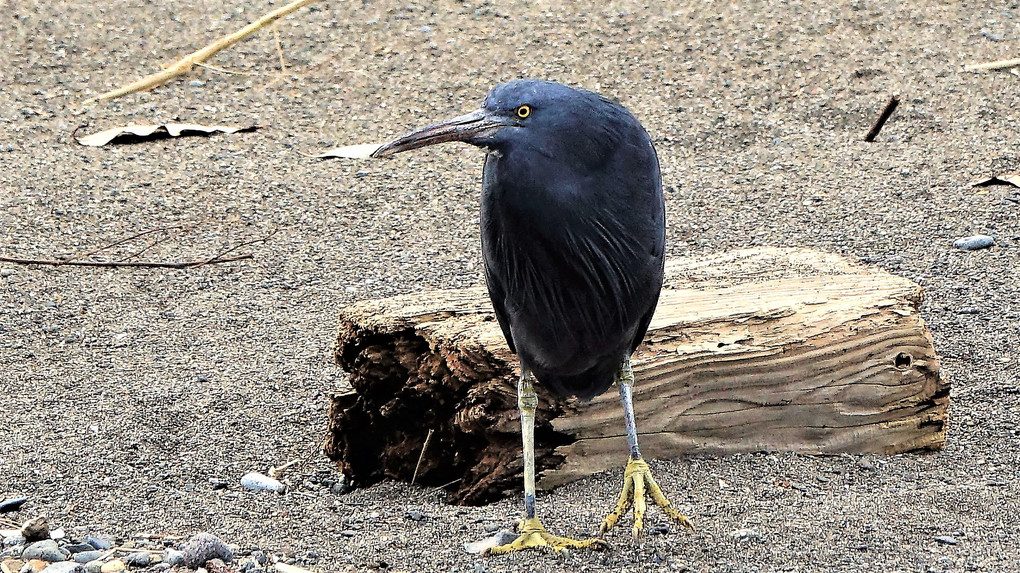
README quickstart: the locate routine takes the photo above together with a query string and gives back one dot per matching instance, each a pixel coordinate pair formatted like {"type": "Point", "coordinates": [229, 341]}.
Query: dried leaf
{"type": "Point", "coordinates": [136, 133]}
{"type": "Point", "coordinates": [1002, 179]}
{"type": "Point", "coordinates": [362, 151]}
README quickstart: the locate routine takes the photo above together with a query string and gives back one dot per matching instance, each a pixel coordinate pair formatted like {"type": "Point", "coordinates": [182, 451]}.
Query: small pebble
{"type": "Point", "coordinates": [34, 566]}
{"type": "Point", "coordinates": [660, 529]}
{"type": "Point", "coordinates": [204, 546]}
{"type": "Point", "coordinates": [974, 242]}
{"type": "Point", "coordinates": [479, 547]}
{"type": "Point", "coordinates": [7, 273]}
{"type": "Point", "coordinates": [173, 557]}
{"type": "Point", "coordinates": [46, 550]}
{"type": "Point", "coordinates": [196, 83]}
{"type": "Point", "coordinates": [16, 538]}
{"type": "Point", "coordinates": [15, 503]}
{"type": "Point", "coordinates": [414, 515]}
{"type": "Point", "coordinates": [65, 567]}
{"type": "Point", "coordinates": [991, 36]}
{"type": "Point", "coordinates": [745, 534]}
{"type": "Point", "coordinates": [78, 547]}
{"type": "Point", "coordinates": [87, 556]}
{"type": "Point", "coordinates": [100, 543]}
{"type": "Point", "coordinates": [112, 566]}
{"type": "Point", "coordinates": [946, 540]}
{"type": "Point", "coordinates": [94, 566]}
{"type": "Point", "coordinates": [10, 566]}
{"type": "Point", "coordinates": [36, 529]}
{"type": "Point", "coordinates": [137, 559]}
{"type": "Point", "coordinates": [259, 482]}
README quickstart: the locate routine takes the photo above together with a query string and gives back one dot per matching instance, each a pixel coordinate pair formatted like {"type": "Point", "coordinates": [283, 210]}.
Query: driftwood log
{"type": "Point", "coordinates": [753, 350]}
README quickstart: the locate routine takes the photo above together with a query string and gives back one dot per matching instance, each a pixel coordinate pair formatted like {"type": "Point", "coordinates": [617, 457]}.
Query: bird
{"type": "Point", "coordinates": [573, 239]}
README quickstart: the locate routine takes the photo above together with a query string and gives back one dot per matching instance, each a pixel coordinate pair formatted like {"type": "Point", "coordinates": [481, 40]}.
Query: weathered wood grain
{"type": "Point", "coordinates": [752, 350]}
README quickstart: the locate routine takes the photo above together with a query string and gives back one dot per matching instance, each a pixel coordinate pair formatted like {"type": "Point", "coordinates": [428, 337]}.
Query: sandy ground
{"type": "Point", "coordinates": [125, 392]}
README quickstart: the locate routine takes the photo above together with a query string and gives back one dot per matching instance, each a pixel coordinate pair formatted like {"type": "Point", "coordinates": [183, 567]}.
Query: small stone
{"type": "Point", "coordinates": [865, 465]}
{"type": "Point", "coordinates": [86, 556]}
{"type": "Point", "coordinates": [173, 557]}
{"type": "Point", "coordinates": [94, 566]}
{"type": "Point", "coordinates": [196, 83]}
{"type": "Point", "coordinates": [46, 550]}
{"type": "Point", "coordinates": [160, 567]}
{"type": "Point", "coordinates": [259, 482]}
{"type": "Point", "coordinates": [745, 535]}
{"type": "Point", "coordinates": [217, 566]}
{"type": "Point", "coordinates": [204, 546]}
{"type": "Point", "coordinates": [480, 546]}
{"type": "Point", "coordinates": [14, 503]}
{"type": "Point", "coordinates": [78, 548]}
{"type": "Point", "coordinates": [100, 543]}
{"type": "Point", "coordinates": [15, 538]}
{"type": "Point", "coordinates": [491, 528]}
{"type": "Point", "coordinates": [57, 534]}
{"type": "Point", "coordinates": [12, 552]}
{"type": "Point", "coordinates": [65, 567]}
{"type": "Point", "coordinates": [217, 484]}
{"type": "Point", "coordinates": [414, 515]}
{"type": "Point", "coordinates": [10, 566]}
{"type": "Point", "coordinates": [36, 529]}
{"type": "Point", "coordinates": [112, 566]}
{"type": "Point", "coordinates": [974, 242]}
{"type": "Point", "coordinates": [33, 566]}
{"type": "Point", "coordinates": [946, 540]}
{"type": "Point", "coordinates": [660, 529]}
{"type": "Point", "coordinates": [137, 559]}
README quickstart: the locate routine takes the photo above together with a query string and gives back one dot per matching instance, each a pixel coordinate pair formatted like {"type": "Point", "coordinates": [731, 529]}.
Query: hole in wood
{"type": "Point", "coordinates": [902, 360]}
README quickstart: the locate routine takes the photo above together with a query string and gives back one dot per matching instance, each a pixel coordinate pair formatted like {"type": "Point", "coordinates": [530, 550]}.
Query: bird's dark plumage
{"type": "Point", "coordinates": [572, 233]}
{"type": "Point", "coordinates": [573, 227]}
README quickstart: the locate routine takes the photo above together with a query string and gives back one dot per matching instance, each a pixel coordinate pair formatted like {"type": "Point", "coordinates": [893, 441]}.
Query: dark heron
{"type": "Point", "coordinates": [573, 231]}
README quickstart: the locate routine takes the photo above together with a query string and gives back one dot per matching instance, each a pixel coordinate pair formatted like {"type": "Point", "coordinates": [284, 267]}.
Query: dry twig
{"type": "Point", "coordinates": [215, 259]}
{"type": "Point", "coordinates": [421, 456]}
{"type": "Point", "coordinates": [997, 65]}
{"type": "Point", "coordinates": [184, 65]}
{"type": "Point", "coordinates": [181, 265]}
{"type": "Point", "coordinates": [890, 107]}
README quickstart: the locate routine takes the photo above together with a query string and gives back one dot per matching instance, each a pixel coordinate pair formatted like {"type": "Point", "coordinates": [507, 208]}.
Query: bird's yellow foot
{"type": "Point", "coordinates": [534, 536]}
{"type": "Point", "coordinates": [637, 482]}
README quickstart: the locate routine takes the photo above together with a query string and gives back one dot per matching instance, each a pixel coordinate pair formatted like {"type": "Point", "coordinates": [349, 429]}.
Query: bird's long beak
{"type": "Point", "coordinates": [467, 128]}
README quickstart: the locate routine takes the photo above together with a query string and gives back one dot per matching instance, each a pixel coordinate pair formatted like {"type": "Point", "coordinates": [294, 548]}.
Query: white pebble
{"type": "Point", "coordinates": [259, 482]}
{"type": "Point", "coordinates": [974, 243]}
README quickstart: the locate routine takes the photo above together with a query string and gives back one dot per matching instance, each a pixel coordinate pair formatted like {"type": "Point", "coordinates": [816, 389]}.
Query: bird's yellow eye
{"type": "Point", "coordinates": [523, 111]}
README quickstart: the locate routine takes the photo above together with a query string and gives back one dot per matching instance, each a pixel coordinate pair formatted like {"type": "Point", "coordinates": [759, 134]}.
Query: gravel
{"type": "Point", "coordinates": [126, 391]}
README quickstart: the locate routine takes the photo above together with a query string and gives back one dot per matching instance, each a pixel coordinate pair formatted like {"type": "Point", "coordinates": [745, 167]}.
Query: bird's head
{"type": "Point", "coordinates": [521, 112]}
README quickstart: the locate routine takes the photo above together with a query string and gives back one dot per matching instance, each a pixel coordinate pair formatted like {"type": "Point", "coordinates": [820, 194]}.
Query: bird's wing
{"type": "Point", "coordinates": [497, 292]}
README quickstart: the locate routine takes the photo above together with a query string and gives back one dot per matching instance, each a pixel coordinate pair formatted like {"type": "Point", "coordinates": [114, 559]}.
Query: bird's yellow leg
{"type": "Point", "coordinates": [637, 478]}
{"type": "Point", "coordinates": [532, 533]}
{"type": "Point", "coordinates": [637, 483]}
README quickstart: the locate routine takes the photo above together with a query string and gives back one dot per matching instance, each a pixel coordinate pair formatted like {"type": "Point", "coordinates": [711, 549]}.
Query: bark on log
{"type": "Point", "coordinates": [753, 350]}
